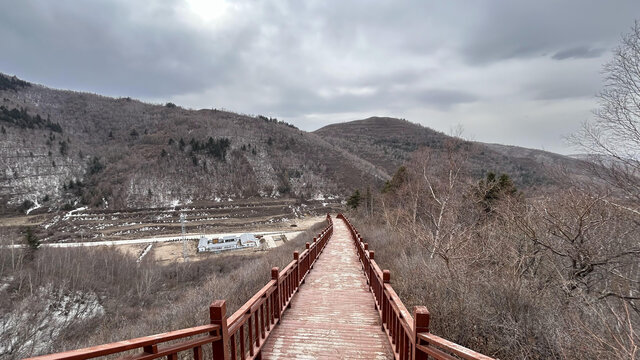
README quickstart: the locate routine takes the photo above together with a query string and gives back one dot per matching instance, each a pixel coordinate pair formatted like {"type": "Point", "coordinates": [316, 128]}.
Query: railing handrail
{"type": "Point", "coordinates": [148, 343]}
{"type": "Point", "coordinates": [409, 335]}
{"type": "Point", "coordinates": [261, 312]}
{"type": "Point", "coordinates": [461, 351]}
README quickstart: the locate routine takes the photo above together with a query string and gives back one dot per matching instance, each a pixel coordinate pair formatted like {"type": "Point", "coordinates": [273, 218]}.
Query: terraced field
{"type": "Point", "coordinates": [131, 228]}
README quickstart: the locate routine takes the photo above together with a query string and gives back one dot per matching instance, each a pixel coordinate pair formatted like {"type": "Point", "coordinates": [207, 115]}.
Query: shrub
{"type": "Point", "coordinates": [31, 239]}
{"type": "Point", "coordinates": [26, 205]}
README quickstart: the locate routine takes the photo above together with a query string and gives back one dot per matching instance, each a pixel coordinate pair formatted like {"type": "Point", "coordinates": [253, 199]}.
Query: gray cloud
{"type": "Point", "coordinates": [519, 29]}
{"type": "Point", "coordinates": [445, 98]}
{"type": "Point", "coordinates": [301, 59]}
{"type": "Point", "coordinates": [579, 52]}
{"type": "Point", "coordinates": [103, 48]}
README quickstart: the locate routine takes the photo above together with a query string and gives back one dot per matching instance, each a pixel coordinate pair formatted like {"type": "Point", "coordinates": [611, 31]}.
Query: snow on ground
{"type": "Point", "coordinates": [35, 206]}
{"type": "Point", "coordinates": [5, 282]}
{"type": "Point", "coordinates": [34, 325]}
{"type": "Point", "coordinates": [155, 239]}
{"type": "Point", "coordinates": [53, 222]}
{"type": "Point", "coordinates": [145, 252]}
{"type": "Point", "coordinates": [73, 212]}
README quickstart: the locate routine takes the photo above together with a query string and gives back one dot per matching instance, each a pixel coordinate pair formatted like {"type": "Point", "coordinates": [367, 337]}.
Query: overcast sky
{"type": "Point", "coordinates": [512, 72]}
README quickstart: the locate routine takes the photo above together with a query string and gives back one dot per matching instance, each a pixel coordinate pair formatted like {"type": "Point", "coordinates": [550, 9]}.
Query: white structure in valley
{"type": "Point", "coordinates": [226, 243]}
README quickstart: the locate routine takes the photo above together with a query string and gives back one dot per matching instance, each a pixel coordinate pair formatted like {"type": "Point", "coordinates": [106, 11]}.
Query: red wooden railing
{"type": "Point", "coordinates": [409, 335]}
{"type": "Point", "coordinates": [240, 336]}
{"type": "Point", "coordinates": [250, 326]}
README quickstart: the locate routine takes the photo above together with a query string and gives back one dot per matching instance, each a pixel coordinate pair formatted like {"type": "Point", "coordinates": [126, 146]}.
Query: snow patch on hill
{"type": "Point", "coordinates": [31, 329]}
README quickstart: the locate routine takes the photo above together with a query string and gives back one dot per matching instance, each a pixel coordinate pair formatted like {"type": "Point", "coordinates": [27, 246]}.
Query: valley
{"type": "Point", "coordinates": [133, 230]}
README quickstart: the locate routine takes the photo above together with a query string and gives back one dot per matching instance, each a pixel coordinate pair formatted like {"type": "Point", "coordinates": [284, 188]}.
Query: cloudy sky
{"type": "Point", "coordinates": [513, 72]}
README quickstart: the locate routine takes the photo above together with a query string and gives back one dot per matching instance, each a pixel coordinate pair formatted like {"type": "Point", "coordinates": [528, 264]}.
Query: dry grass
{"type": "Point", "coordinates": [504, 294]}
{"type": "Point", "coordinates": [552, 274]}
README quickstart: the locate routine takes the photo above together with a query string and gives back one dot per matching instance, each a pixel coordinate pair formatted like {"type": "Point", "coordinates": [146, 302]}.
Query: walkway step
{"type": "Point", "coordinates": [333, 315]}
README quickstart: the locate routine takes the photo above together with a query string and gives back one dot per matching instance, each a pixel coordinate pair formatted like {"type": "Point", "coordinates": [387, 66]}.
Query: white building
{"type": "Point", "coordinates": [231, 242]}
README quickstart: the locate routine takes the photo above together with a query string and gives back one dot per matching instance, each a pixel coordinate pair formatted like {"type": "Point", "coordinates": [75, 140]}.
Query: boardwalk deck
{"type": "Point", "coordinates": [333, 315]}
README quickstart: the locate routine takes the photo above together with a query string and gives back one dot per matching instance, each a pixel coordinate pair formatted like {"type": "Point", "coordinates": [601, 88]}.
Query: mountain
{"type": "Point", "coordinates": [388, 142]}
{"type": "Point", "coordinates": [62, 147]}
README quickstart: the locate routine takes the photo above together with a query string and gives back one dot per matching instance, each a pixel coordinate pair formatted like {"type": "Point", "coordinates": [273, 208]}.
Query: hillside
{"type": "Point", "coordinates": [62, 147]}
{"type": "Point", "coordinates": [388, 142]}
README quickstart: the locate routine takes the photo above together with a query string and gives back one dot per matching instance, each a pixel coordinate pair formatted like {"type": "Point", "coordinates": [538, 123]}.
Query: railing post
{"type": "Point", "coordinates": [420, 325]}
{"type": "Point", "coordinates": [307, 266]}
{"type": "Point", "coordinates": [218, 316]}
{"type": "Point", "coordinates": [386, 278]}
{"type": "Point", "coordinates": [296, 257]}
{"type": "Point", "coordinates": [369, 267]}
{"type": "Point", "coordinates": [315, 248]}
{"type": "Point", "coordinates": [361, 253]}
{"type": "Point", "coordinates": [275, 275]}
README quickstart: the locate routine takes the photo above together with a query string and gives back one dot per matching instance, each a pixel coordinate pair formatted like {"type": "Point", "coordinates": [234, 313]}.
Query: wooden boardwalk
{"type": "Point", "coordinates": [333, 315]}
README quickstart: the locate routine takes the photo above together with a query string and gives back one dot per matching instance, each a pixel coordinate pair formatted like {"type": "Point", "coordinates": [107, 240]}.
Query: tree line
{"type": "Point", "coordinates": [22, 119]}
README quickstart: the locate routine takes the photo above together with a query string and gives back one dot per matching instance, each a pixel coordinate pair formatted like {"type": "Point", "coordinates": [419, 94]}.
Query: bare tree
{"type": "Point", "coordinates": [612, 138]}
{"type": "Point", "coordinates": [427, 201]}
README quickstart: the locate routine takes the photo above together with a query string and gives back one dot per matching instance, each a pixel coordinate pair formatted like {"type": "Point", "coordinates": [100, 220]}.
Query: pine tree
{"type": "Point", "coordinates": [31, 239]}
{"type": "Point", "coordinates": [493, 189]}
{"type": "Point", "coordinates": [400, 177]}
{"type": "Point", "coordinates": [354, 200]}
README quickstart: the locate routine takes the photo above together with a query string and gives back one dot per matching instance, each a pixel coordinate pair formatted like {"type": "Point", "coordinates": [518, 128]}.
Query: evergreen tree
{"type": "Point", "coordinates": [95, 166]}
{"type": "Point", "coordinates": [354, 200]}
{"type": "Point", "coordinates": [31, 239]}
{"type": "Point", "coordinates": [493, 188]}
{"type": "Point", "coordinates": [400, 177]}
{"type": "Point", "coordinates": [64, 147]}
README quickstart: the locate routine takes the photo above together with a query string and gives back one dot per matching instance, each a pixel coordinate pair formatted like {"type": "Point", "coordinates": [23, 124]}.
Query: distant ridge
{"type": "Point", "coordinates": [388, 142]}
